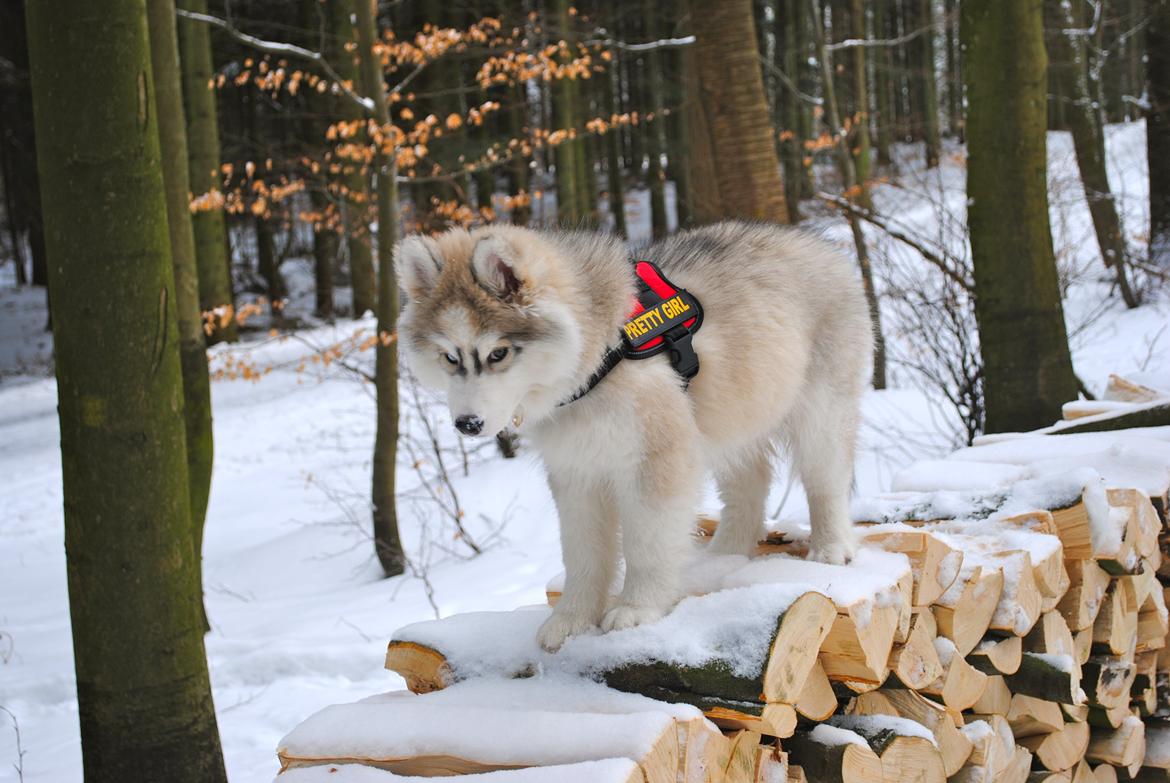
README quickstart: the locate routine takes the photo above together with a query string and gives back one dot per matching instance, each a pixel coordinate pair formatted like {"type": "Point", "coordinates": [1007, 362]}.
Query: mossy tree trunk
{"type": "Point", "coordinates": [1089, 143]}
{"type": "Point", "coordinates": [355, 188]}
{"type": "Point", "coordinates": [387, 543]}
{"type": "Point", "coordinates": [656, 125]}
{"type": "Point", "coordinates": [211, 244]}
{"type": "Point", "coordinates": [172, 130]}
{"type": "Point", "coordinates": [787, 32]}
{"type": "Point", "coordinates": [885, 27]}
{"type": "Point", "coordinates": [860, 143]}
{"type": "Point", "coordinates": [736, 172]}
{"type": "Point", "coordinates": [570, 209]}
{"type": "Point", "coordinates": [143, 692]}
{"type": "Point", "coordinates": [1158, 128]}
{"type": "Point", "coordinates": [954, 72]}
{"type": "Point", "coordinates": [1027, 369]}
{"type": "Point", "coordinates": [613, 165]}
{"type": "Point", "coordinates": [518, 174]}
{"type": "Point", "coordinates": [926, 77]}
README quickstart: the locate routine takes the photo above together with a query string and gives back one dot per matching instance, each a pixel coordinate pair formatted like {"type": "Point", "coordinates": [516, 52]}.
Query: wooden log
{"type": "Point", "coordinates": [424, 669]}
{"type": "Point", "coordinates": [996, 698]}
{"type": "Point", "coordinates": [1059, 750]}
{"type": "Point", "coordinates": [1145, 518]}
{"type": "Point", "coordinates": [962, 684]}
{"type": "Point", "coordinates": [831, 758]}
{"type": "Point", "coordinates": [771, 765]}
{"type": "Point", "coordinates": [935, 564]}
{"type": "Point", "coordinates": [1051, 636]}
{"type": "Point", "coordinates": [743, 760]}
{"type": "Point", "coordinates": [771, 719]}
{"type": "Point", "coordinates": [1157, 745]}
{"type": "Point", "coordinates": [915, 662]}
{"type": "Point", "coordinates": [1124, 746]}
{"type": "Point", "coordinates": [1083, 644]}
{"type": "Point", "coordinates": [992, 749]}
{"type": "Point", "coordinates": [1087, 585]}
{"type": "Point", "coordinates": [858, 645]}
{"type": "Point", "coordinates": [964, 612]}
{"type": "Point", "coordinates": [1047, 776]}
{"type": "Point", "coordinates": [796, 774]}
{"type": "Point", "coordinates": [1104, 773]}
{"type": "Point", "coordinates": [903, 756]}
{"type": "Point", "coordinates": [1153, 622]}
{"type": "Point", "coordinates": [1144, 691]}
{"type": "Point", "coordinates": [1107, 681]}
{"type": "Point", "coordinates": [1111, 718]}
{"type": "Point", "coordinates": [817, 701]}
{"type": "Point", "coordinates": [1049, 678]}
{"type": "Point", "coordinates": [1017, 771]}
{"type": "Point", "coordinates": [1074, 531]}
{"type": "Point", "coordinates": [1029, 716]}
{"type": "Point", "coordinates": [954, 746]}
{"type": "Point", "coordinates": [997, 655]}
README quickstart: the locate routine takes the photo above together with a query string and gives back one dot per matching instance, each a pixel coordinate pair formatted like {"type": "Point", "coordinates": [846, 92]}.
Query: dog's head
{"type": "Point", "coordinates": [486, 321]}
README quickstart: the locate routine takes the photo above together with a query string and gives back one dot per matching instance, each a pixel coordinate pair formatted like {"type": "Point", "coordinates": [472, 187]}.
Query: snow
{"type": "Point", "coordinates": [869, 725]}
{"type": "Point", "coordinates": [605, 771]}
{"type": "Point", "coordinates": [955, 475]}
{"type": "Point", "coordinates": [300, 613]}
{"type": "Point", "coordinates": [381, 729]}
{"type": "Point", "coordinates": [833, 736]}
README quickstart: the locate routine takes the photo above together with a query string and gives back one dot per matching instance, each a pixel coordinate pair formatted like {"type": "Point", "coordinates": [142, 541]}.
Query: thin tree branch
{"type": "Point", "coordinates": [649, 46]}
{"type": "Point", "coordinates": [957, 277]}
{"type": "Point", "coordinates": [284, 49]}
{"type": "Point", "coordinates": [779, 74]}
{"type": "Point", "coordinates": [872, 43]}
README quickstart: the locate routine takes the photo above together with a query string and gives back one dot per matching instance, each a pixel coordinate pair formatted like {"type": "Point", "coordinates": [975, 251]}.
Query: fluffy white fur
{"type": "Point", "coordinates": [784, 348]}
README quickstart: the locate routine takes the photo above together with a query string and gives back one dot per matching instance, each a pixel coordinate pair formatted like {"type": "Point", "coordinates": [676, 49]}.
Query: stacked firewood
{"type": "Point", "coordinates": [986, 642]}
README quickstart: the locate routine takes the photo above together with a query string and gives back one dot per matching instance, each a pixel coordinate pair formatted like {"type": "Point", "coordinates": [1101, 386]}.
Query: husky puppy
{"type": "Point", "coordinates": [511, 323]}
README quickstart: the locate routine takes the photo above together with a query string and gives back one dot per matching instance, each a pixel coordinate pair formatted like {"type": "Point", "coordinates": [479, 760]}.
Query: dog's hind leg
{"type": "Point", "coordinates": [743, 488]}
{"type": "Point", "coordinates": [822, 431]}
{"type": "Point", "coordinates": [589, 535]}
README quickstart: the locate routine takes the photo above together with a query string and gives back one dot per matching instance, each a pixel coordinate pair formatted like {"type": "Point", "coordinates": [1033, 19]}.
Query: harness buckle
{"type": "Point", "coordinates": [682, 354]}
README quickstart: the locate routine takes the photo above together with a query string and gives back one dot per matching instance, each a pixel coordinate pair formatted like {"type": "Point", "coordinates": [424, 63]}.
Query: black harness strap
{"type": "Point", "coordinates": [676, 340]}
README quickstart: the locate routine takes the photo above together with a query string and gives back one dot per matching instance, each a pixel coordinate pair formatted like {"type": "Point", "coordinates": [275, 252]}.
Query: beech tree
{"type": "Point", "coordinates": [1027, 369]}
{"type": "Point", "coordinates": [1158, 128]}
{"type": "Point", "coordinates": [143, 693]}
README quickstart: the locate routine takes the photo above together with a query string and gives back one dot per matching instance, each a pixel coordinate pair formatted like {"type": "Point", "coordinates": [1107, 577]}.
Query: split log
{"type": "Point", "coordinates": [772, 720]}
{"type": "Point", "coordinates": [742, 764]}
{"type": "Point", "coordinates": [1029, 716]}
{"type": "Point", "coordinates": [961, 684]}
{"type": "Point", "coordinates": [817, 701]}
{"type": "Point", "coordinates": [1107, 681]}
{"type": "Point", "coordinates": [954, 746]}
{"type": "Point", "coordinates": [857, 647]}
{"type": "Point", "coordinates": [1124, 746]}
{"type": "Point", "coordinates": [1052, 678]}
{"type": "Point", "coordinates": [832, 757]}
{"type": "Point", "coordinates": [993, 747]}
{"type": "Point", "coordinates": [935, 564]}
{"type": "Point", "coordinates": [998, 655]}
{"type": "Point", "coordinates": [1145, 519]}
{"type": "Point", "coordinates": [1157, 745]}
{"type": "Point", "coordinates": [1017, 771]}
{"type": "Point", "coordinates": [904, 755]}
{"type": "Point", "coordinates": [1051, 636]}
{"type": "Point", "coordinates": [963, 613]}
{"type": "Point", "coordinates": [1087, 585]}
{"type": "Point", "coordinates": [1104, 773]}
{"type": "Point", "coordinates": [915, 662]}
{"type": "Point", "coordinates": [1115, 629]}
{"type": "Point", "coordinates": [996, 699]}
{"type": "Point", "coordinates": [1059, 750]}
{"type": "Point", "coordinates": [1074, 531]}
{"type": "Point", "coordinates": [1144, 691]}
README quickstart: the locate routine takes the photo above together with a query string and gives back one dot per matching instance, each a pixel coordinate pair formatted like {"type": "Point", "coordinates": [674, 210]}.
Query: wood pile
{"type": "Point", "coordinates": [1019, 646]}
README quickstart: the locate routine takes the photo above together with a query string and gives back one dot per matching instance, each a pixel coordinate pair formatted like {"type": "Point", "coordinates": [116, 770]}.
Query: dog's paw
{"type": "Point", "coordinates": [560, 626]}
{"type": "Point", "coordinates": [626, 616]}
{"type": "Point", "coordinates": [837, 552]}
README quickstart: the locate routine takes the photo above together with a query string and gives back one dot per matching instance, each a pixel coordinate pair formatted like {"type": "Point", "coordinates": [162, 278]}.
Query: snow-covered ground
{"type": "Point", "coordinates": [299, 612]}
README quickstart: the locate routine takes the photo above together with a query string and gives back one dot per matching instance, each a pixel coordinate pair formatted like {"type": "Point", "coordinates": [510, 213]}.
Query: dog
{"type": "Point", "coordinates": [512, 324]}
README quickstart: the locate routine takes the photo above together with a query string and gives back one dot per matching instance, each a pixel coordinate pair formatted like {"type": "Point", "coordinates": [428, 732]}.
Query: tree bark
{"type": "Point", "coordinates": [859, 144]}
{"type": "Point", "coordinates": [885, 27]}
{"type": "Point", "coordinates": [1158, 128]}
{"type": "Point", "coordinates": [735, 173]}
{"type": "Point", "coordinates": [656, 126]}
{"type": "Point", "coordinates": [928, 89]}
{"type": "Point", "coordinates": [787, 30]}
{"type": "Point", "coordinates": [387, 543]}
{"type": "Point", "coordinates": [570, 210]}
{"type": "Point", "coordinates": [215, 285]}
{"type": "Point", "coordinates": [172, 130]}
{"type": "Point", "coordinates": [613, 165]}
{"type": "Point", "coordinates": [353, 180]}
{"type": "Point", "coordinates": [144, 697]}
{"type": "Point", "coordinates": [1089, 144]}
{"type": "Point", "coordinates": [1027, 369]}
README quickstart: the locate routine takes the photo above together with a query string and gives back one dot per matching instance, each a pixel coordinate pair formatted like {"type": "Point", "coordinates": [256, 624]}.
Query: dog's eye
{"type": "Point", "coordinates": [451, 358]}
{"type": "Point", "coordinates": [497, 355]}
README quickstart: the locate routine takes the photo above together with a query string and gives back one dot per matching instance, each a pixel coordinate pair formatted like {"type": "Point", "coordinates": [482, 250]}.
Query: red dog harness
{"type": "Point", "coordinates": [662, 318]}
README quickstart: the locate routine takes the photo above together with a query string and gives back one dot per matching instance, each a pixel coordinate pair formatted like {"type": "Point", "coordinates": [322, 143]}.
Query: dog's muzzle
{"type": "Point", "coordinates": [469, 425]}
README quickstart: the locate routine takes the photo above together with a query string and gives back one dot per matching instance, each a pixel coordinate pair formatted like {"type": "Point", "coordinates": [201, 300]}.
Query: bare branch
{"type": "Point", "coordinates": [779, 74]}
{"type": "Point", "coordinates": [649, 46]}
{"type": "Point", "coordinates": [282, 49]}
{"type": "Point", "coordinates": [873, 43]}
{"type": "Point", "coordinates": [957, 277]}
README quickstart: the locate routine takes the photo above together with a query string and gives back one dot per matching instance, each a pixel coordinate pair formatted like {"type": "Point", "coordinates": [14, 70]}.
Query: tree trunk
{"type": "Point", "coordinates": [565, 120]}
{"type": "Point", "coordinates": [325, 246]}
{"type": "Point", "coordinates": [387, 544]}
{"type": "Point", "coordinates": [1158, 128]}
{"type": "Point", "coordinates": [353, 180]}
{"type": "Point", "coordinates": [855, 190]}
{"type": "Point", "coordinates": [859, 144]}
{"type": "Point", "coordinates": [518, 168]}
{"type": "Point", "coordinates": [613, 166]}
{"type": "Point", "coordinates": [215, 285]}
{"type": "Point", "coordinates": [928, 89]}
{"type": "Point", "coordinates": [678, 128]}
{"type": "Point", "coordinates": [1028, 373]}
{"type": "Point", "coordinates": [736, 173]}
{"type": "Point", "coordinates": [144, 697]}
{"type": "Point", "coordinates": [1089, 144]}
{"type": "Point", "coordinates": [885, 27]}
{"type": "Point", "coordinates": [788, 38]}
{"type": "Point", "coordinates": [656, 126]}
{"type": "Point", "coordinates": [954, 71]}
{"type": "Point", "coordinates": [172, 130]}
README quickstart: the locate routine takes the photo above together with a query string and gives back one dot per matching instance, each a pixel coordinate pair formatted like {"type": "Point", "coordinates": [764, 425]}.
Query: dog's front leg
{"type": "Point", "coordinates": [658, 516]}
{"type": "Point", "coordinates": [588, 519]}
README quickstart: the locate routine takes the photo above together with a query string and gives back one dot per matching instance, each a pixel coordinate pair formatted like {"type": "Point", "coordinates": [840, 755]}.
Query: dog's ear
{"type": "Point", "coordinates": [493, 262]}
{"type": "Point", "coordinates": [419, 263]}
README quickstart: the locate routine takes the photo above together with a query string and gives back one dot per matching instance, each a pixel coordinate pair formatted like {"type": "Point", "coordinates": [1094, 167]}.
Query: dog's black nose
{"type": "Point", "coordinates": [469, 425]}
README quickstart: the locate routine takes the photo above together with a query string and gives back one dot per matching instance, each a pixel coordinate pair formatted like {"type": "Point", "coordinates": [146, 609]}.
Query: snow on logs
{"type": "Point", "coordinates": [1005, 620]}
